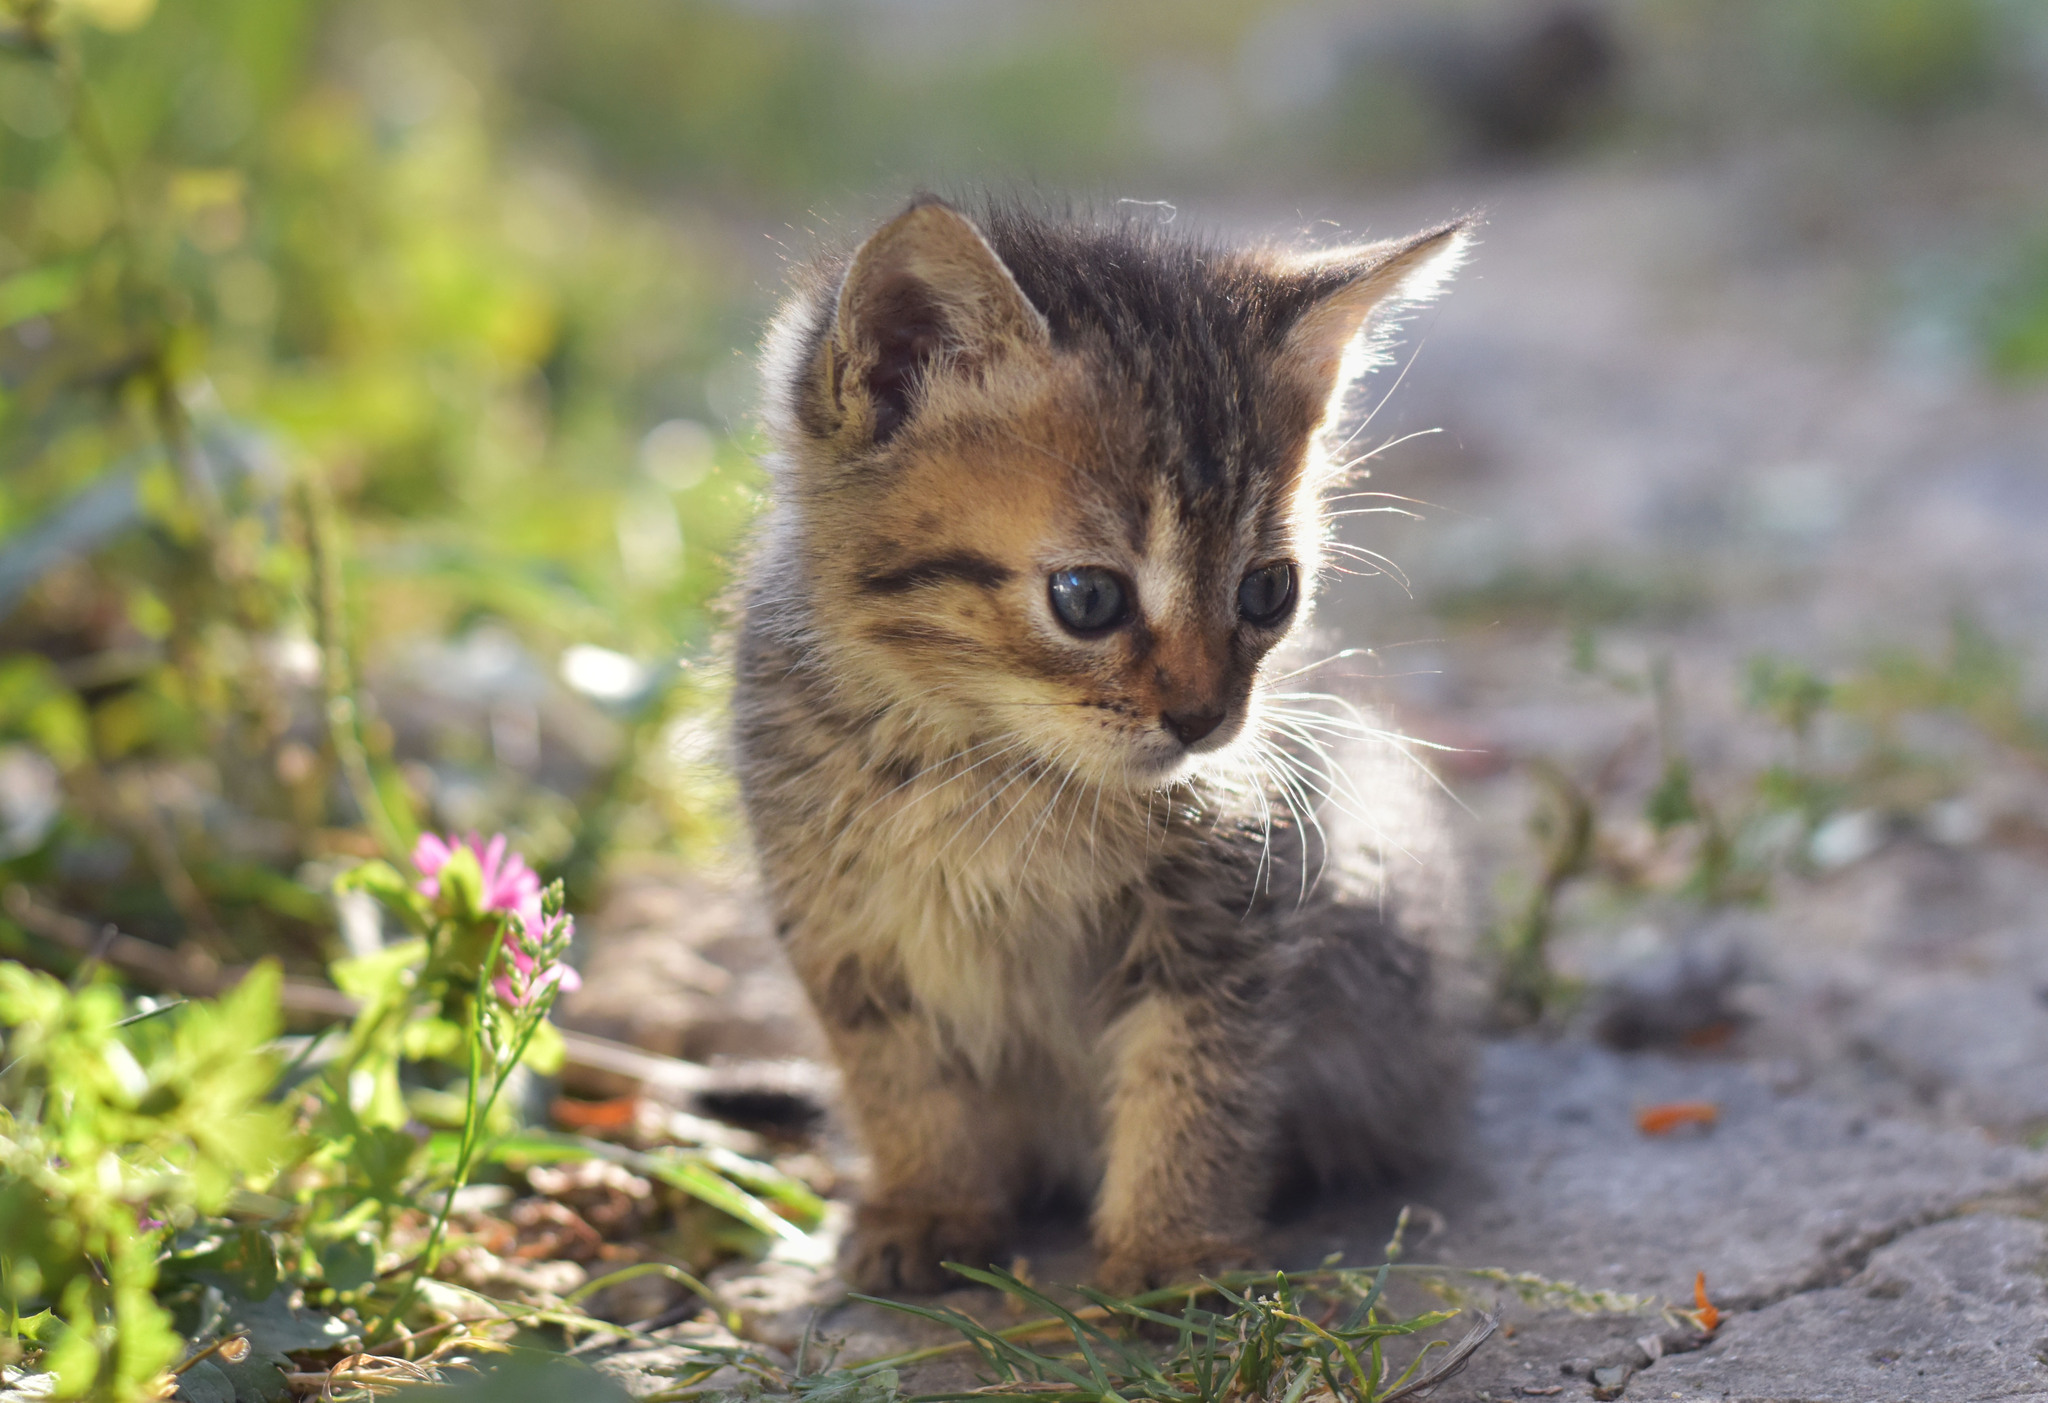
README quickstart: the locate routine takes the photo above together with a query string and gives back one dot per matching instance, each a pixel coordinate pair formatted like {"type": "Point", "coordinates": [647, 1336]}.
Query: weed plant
{"type": "Point", "coordinates": [1283, 1337]}
{"type": "Point", "coordinates": [1727, 839]}
{"type": "Point", "coordinates": [171, 1189]}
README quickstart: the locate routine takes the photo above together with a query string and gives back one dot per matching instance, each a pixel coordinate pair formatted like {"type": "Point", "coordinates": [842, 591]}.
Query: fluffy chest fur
{"type": "Point", "coordinates": [927, 868]}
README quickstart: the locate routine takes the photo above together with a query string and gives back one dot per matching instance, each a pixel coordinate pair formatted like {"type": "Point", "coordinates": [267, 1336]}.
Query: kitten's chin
{"type": "Point", "coordinates": [1148, 768]}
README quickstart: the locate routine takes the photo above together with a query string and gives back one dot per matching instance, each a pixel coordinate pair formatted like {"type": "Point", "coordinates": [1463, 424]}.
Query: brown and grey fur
{"type": "Point", "coordinates": [1050, 941]}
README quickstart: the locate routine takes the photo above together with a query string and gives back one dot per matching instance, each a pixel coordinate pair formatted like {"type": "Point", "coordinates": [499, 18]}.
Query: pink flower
{"type": "Point", "coordinates": [535, 942]}
{"type": "Point", "coordinates": [508, 883]}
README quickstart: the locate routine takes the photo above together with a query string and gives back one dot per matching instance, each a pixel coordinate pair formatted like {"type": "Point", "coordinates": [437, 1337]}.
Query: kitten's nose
{"type": "Point", "coordinates": [1191, 726]}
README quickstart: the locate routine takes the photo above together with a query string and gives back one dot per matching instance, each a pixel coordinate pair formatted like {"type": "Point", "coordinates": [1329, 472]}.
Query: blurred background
{"type": "Point", "coordinates": [375, 431]}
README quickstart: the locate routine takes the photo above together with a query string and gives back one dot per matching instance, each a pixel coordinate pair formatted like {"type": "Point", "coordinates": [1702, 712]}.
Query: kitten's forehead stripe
{"type": "Point", "coordinates": [963, 567]}
{"type": "Point", "coordinates": [1163, 587]}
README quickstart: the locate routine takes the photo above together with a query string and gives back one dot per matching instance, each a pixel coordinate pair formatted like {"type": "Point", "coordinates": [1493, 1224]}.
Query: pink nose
{"type": "Point", "coordinates": [1191, 726]}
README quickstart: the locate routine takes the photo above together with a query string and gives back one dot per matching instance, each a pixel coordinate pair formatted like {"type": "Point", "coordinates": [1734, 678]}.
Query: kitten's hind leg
{"type": "Point", "coordinates": [1376, 1074]}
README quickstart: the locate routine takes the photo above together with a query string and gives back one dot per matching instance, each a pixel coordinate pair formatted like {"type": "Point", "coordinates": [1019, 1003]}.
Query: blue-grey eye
{"type": "Point", "coordinates": [1090, 599]}
{"type": "Point", "coordinates": [1265, 595]}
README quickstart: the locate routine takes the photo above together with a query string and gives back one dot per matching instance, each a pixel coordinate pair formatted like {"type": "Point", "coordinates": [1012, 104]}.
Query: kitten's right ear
{"type": "Point", "coordinates": [924, 296]}
{"type": "Point", "coordinates": [1341, 289]}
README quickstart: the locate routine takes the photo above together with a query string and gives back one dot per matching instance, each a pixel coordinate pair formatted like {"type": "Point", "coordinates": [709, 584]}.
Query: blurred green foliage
{"type": "Point", "coordinates": [169, 1187]}
{"type": "Point", "coordinates": [331, 425]}
{"type": "Point", "coordinates": [1886, 748]}
{"type": "Point", "coordinates": [1903, 56]}
{"type": "Point", "coordinates": [107, 1121]}
{"type": "Point", "coordinates": [2015, 319]}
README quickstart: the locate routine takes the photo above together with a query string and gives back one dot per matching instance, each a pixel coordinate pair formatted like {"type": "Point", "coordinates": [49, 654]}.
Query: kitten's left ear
{"type": "Point", "coordinates": [925, 294]}
{"type": "Point", "coordinates": [1341, 288]}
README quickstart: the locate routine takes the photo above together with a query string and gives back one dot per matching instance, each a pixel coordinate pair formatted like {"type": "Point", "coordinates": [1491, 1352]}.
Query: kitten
{"type": "Point", "coordinates": [1043, 835]}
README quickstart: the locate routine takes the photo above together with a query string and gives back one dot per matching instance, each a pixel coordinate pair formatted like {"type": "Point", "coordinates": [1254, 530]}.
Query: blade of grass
{"type": "Point", "coordinates": [1461, 1353]}
{"type": "Point", "coordinates": [661, 1269]}
{"type": "Point", "coordinates": [988, 1342]}
{"type": "Point", "coordinates": [1081, 1330]}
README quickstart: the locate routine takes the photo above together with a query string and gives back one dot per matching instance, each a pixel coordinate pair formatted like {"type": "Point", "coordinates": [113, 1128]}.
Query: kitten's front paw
{"type": "Point", "coordinates": [1127, 1271]}
{"type": "Point", "coordinates": [896, 1248]}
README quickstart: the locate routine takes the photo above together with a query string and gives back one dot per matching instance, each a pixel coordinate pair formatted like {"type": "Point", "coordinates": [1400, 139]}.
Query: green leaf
{"type": "Point", "coordinates": [273, 1326]}
{"type": "Point", "coordinates": [245, 1263]}
{"type": "Point", "coordinates": [382, 1158]}
{"type": "Point", "coordinates": [846, 1386]}
{"type": "Point", "coordinates": [37, 293]}
{"type": "Point", "coordinates": [384, 978]}
{"type": "Point", "coordinates": [533, 1377]}
{"type": "Point", "coordinates": [204, 1382]}
{"type": "Point", "coordinates": [1672, 802]}
{"type": "Point", "coordinates": [436, 1039]}
{"type": "Point", "coordinates": [350, 1263]}
{"type": "Point", "coordinates": [38, 1327]}
{"type": "Point", "coordinates": [37, 706]}
{"type": "Point", "coordinates": [390, 886]}
{"type": "Point", "coordinates": [765, 1179]}
{"type": "Point", "coordinates": [462, 886]}
{"type": "Point", "coordinates": [529, 1147]}
{"type": "Point", "coordinates": [705, 1184]}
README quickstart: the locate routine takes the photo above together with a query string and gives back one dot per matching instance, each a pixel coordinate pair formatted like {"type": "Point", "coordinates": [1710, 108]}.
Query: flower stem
{"type": "Point", "coordinates": [475, 1116]}
{"type": "Point", "coordinates": [430, 1255]}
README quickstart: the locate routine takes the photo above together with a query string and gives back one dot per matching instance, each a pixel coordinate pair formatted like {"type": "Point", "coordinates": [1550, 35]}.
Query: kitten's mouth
{"type": "Point", "coordinates": [1164, 757]}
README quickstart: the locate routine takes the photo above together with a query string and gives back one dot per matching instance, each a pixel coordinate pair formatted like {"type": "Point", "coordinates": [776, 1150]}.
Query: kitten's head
{"type": "Point", "coordinates": [1062, 483]}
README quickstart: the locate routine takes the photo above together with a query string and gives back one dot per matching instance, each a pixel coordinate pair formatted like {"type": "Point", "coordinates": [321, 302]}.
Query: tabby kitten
{"type": "Point", "coordinates": [1056, 856]}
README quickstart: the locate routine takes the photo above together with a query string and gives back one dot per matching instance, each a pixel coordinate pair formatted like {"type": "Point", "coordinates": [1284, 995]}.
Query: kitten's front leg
{"type": "Point", "coordinates": [941, 1146]}
{"type": "Point", "coordinates": [1188, 1152]}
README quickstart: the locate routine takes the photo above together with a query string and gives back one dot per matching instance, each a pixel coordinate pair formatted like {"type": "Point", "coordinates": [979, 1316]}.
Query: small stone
{"type": "Point", "coordinates": [1956, 823]}
{"type": "Point", "coordinates": [1846, 839]}
{"type": "Point", "coordinates": [1610, 1381]}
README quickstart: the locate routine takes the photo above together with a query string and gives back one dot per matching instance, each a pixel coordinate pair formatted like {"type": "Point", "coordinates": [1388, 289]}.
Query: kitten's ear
{"type": "Point", "coordinates": [925, 294]}
{"type": "Point", "coordinates": [1342, 287]}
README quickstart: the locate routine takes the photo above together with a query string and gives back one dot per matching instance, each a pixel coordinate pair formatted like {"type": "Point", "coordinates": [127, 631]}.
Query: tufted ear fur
{"type": "Point", "coordinates": [1343, 287]}
{"type": "Point", "coordinates": [924, 296]}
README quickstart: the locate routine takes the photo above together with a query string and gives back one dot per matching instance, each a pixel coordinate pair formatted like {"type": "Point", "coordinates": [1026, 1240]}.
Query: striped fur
{"type": "Point", "coordinates": [1052, 941]}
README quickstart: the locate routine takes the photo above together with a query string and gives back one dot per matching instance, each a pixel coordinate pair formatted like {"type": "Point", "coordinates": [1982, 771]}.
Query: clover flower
{"type": "Point", "coordinates": [508, 883]}
{"type": "Point", "coordinates": [537, 935]}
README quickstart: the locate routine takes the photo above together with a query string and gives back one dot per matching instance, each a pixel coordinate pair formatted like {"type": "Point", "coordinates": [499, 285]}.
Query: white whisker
{"type": "Point", "coordinates": [928, 794]}
{"type": "Point", "coordinates": [1357, 725]}
{"type": "Point", "coordinates": [1373, 557]}
{"type": "Point", "coordinates": [1390, 443]}
{"type": "Point", "coordinates": [1388, 496]}
{"type": "Point", "coordinates": [1042, 769]}
{"type": "Point", "coordinates": [1052, 806]}
{"type": "Point", "coordinates": [927, 769]}
{"type": "Point", "coordinates": [1303, 813]}
{"type": "Point", "coordinates": [1373, 414]}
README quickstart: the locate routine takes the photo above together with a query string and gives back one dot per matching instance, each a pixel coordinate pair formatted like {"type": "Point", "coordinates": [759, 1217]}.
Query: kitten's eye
{"type": "Point", "coordinates": [1090, 599]}
{"type": "Point", "coordinates": [1266, 594]}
